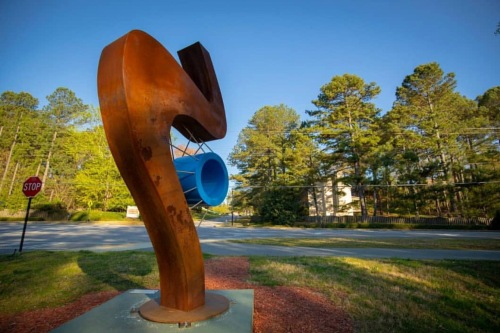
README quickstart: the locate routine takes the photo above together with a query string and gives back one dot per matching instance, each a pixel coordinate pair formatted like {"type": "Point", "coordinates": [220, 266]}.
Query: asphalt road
{"type": "Point", "coordinates": [214, 240]}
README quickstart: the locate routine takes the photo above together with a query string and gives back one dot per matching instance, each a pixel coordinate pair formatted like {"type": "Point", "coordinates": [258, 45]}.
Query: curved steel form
{"type": "Point", "coordinates": [143, 92]}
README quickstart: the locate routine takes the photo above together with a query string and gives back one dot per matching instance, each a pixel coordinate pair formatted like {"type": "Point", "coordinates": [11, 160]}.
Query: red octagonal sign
{"type": "Point", "coordinates": [32, 186]}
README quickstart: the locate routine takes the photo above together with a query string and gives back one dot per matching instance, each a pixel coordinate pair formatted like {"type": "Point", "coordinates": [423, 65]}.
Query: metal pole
{"type": "Point", "coordinates": [25, 224]}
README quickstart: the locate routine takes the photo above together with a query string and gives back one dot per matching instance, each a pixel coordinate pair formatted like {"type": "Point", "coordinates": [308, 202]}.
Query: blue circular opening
{"type": "Point", "coordinates": [214, 181]}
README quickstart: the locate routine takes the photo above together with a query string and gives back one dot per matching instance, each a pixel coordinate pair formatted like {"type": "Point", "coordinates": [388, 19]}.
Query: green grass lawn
{"type": "Point", "coordinates": [395, 295]}
{"type": "Point", "coordinates": [381, 295]}
{"type": "Point", "coordinates": [41, 279]}
{"type": "Point", "coordinates": [402, 243]}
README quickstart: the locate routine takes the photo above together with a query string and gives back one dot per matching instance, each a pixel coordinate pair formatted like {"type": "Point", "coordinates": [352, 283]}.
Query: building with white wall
{"type": "Point", "coordinates": [329, 199]}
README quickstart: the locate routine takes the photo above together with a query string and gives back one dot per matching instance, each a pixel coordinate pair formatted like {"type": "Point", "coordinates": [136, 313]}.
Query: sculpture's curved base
{"type": "Point", "coordinates": [214, 305]}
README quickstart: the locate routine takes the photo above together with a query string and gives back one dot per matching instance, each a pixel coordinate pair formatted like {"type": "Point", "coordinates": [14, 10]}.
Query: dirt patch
{"type": "Point", "coordinates": [276, 309]}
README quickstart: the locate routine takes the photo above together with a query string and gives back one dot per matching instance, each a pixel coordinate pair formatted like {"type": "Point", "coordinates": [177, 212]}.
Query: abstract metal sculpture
{"type": "Point", "coordinates": [143, 92]}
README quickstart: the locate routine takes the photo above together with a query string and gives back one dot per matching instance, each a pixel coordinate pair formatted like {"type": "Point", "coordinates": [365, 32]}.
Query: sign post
{"type": "Point", "coordinates": [31, 187]}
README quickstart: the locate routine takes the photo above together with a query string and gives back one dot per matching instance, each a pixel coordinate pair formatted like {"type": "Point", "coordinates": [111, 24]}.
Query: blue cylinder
{"type": "Point", "coordinates": [203, 178]}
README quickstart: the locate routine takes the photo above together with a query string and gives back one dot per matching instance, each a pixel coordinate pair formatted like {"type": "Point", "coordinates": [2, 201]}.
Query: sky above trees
{"type": "Point", "coordinates": [264, 52]}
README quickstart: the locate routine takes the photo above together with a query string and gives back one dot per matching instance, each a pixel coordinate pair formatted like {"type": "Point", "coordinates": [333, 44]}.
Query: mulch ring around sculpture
{"type": "Point", "coordinates": [276, 309]}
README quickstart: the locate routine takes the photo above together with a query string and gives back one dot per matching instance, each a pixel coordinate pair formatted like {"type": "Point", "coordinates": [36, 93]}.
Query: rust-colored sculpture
{"type": "Point", "coordinates": [143, 92]}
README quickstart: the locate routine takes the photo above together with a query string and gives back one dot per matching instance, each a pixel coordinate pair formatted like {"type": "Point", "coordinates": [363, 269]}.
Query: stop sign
{"type": "Point", "coordinates": [32, 186]}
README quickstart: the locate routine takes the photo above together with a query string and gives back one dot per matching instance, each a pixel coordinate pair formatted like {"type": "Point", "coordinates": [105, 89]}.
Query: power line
{"type": "Point", "coordinates": [370, 185]}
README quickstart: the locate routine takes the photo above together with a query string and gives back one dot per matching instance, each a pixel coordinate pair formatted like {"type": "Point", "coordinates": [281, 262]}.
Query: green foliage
{"type": "Point", "coordinates": [19, 124]}
{"type": "Point", "coordinates": [98, 183]}
{"type": "Point", "coordinates": [64, 144]}
{"type": "Point", "coordinates": [49, 206]}
{"type": "Point", "coordinates": [65, 109]}
{"type": "Point", "coordinates": [221, 209]}
{"type": "Point", "coordinates": [273, 150]}
{"type": "Point", "coordinates": [201, 213]}
{"type": "Point", "coordinates": [261, 151]}
{"type": "Point", "coordinates": [435, 152]}
{"type": "Point", "coordinates": [495, 223]}
{"type": "Point", "coordinates": [345, 121]}
{"type": "Point", "coordinates": [489, 106]}
{"type": "Point", "coordinates": [97, 215]}
{"type": "Point", "coordinates": [282, 206]}
{"type": "Point", "coordinates": [442, 138]}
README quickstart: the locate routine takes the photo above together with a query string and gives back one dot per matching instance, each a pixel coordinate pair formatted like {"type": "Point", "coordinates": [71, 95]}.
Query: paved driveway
{"type": "Point", "coordinates": [213, 238]}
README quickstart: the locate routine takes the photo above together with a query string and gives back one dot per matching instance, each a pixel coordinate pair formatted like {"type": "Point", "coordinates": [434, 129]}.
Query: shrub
{"type": "Point", "coordinates": [282, 206]}
{"type": "Point", "coordinates": [495, 223]}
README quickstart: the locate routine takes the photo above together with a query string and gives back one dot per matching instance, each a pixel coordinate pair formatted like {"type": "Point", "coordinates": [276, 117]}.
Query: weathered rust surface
{"type": "Point", "coordinates": [143, 92]}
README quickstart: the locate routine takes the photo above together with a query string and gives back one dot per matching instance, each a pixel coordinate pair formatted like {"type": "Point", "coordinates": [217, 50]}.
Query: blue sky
{"type": "Point", "coordinates": [264, 52]}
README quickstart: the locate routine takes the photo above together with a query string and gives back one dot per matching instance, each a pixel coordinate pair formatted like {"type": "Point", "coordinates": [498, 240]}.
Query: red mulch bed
{"type": "Point", "coordinates": [276, 309]}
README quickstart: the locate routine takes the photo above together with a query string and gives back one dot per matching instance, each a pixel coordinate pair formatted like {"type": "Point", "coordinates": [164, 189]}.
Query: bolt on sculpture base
{"type": "Point", "coordinates": [143, 93]}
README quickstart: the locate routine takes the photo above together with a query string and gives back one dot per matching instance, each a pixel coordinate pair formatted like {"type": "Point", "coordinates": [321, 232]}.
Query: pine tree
{"type": "Point", "coordinates": [345, 121]}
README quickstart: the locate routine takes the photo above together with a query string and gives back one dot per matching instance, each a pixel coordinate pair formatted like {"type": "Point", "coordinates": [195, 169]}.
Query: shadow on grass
{"type": "Point", "coordinates": [120, 270]}
{"type": "Point", "coordinates": [39, 279]}
{"type": "Point", "coordinates": [482, 272]}
{"type": "Point", "coordinates": [44, 279]}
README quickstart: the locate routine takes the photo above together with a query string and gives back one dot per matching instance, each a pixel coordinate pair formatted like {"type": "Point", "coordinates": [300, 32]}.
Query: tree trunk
{"type": "Point", "coordinates": [8, 159]}
{"type": "Point", "coordinates": [415, 201]}
{"type": "Point", "coordinates": [438, 205]}
{"type": "Point", "coordinates": [315, 197]}
{"type": "Point", "coordinates": [38, 169]}
{"type": "Point", "coordinates": [388, 200]}
{"type": "Point", "coordinates": [49, 155]}
{"type": "Point", "coordinates": [362, 200]}
{"type": "Point", "coordinates": [444, 163]}
{"type": "Point", "coordinates": [315, 200]}
{"type": "Point", "coordinates": [360, 189]}
{"type": "Point", "coordinates": [458, 178]}
{"type": "Point", "coordinates": [107, 196]}
{"type": "Point", "coordinates": [376, 202]}
{"type": "Point", "coordinates": [473, 166]}
{"type": "Point", "coordinates": [13, 179]}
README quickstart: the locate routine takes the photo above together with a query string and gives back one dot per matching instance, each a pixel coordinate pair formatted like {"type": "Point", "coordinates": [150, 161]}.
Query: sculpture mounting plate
{"type": "Point", "coordinates": [215, 304]}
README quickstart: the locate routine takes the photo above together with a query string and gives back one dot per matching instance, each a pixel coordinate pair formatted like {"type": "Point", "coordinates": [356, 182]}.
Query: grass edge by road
{"type": "Point", "coordinates": [441, 243]}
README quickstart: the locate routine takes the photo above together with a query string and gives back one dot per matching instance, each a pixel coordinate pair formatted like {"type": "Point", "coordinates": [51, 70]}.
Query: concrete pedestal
{"type": "Point", "coordinates": [120, 314]}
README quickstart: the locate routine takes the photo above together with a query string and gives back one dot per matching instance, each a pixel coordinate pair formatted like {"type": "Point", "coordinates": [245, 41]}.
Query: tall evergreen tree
{"type": "Point", "coordinates": [64, 111]}
{"type": "Point", "coordinates": [271, 151]}
{"type": "Point", "coordinates": [261, 152]}
{"type": "Point", "coordinates": [427, 104]}
{"type": "Point", "coordinates": [490, 102]}
{"type": "Point", "coordinates": [345, 122]}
